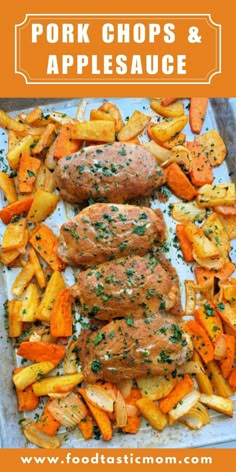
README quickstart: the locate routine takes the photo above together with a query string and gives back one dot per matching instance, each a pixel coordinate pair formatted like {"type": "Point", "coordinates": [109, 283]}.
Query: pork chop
{"type": "Point", "coordinates": [112, 172]}
{"type": "Point", "coordinates": [133, 286]}
{"type": "Point", "coordinates": [131, 348]}
{"type": "Point", "coordinates": [105, 231]}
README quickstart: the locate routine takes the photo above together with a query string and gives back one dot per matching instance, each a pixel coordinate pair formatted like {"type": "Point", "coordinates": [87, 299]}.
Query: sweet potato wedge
{"type": "Point", "coordinates": [179, 183]}
{"type": "Point", "coordinates": [41, 351]}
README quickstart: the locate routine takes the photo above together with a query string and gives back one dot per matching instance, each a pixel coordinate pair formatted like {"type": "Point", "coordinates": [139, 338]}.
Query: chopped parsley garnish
{"type": "Point", "coordinates": [94, 310]}
{"type": "Point", "coordinates": [162, 305]}
{"type": "Point", "coordinates": [209, 310]}
{"type": "Point", "coordinates": [122, 217]}
{"type": "Point", "coordinates": [98, 339]}
{"type": "Point", "coordinates": [81, 168]}
{"type": "Point", "coordinates": [122, 152]}
{"type": "Point", "coordinates": [74, 234]}
{"type": "Point", "coordinates": [177, 334]}
{"type": "Point", "coordinates": [30, 173]}
{"type": "Point", "coordinates": [140, 230]}
{"type": "Point", "coordinates": [111, 335]}
{"type": "Point", "coordinates": [221, 306]}
{"type": "Point", "coordinates": [129, 321]}
{"type": "Point", "coordinates": [96, 366]}
{"type": "Point", "coordinates": [143, 216]}
{"type": "Point", "coordinates": [164, 357]}
{"type": "Point", "coordinates": [123, 245]}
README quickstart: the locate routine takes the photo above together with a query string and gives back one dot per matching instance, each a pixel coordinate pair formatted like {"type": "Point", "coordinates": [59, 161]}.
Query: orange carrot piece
{"type": "Point", "coordinates": [167, 101]}
{"type": "Point", "coordinates": [100, 417]}
{"type": "Point", "coordinates": [45, 243]}
{"type": "Point", "coordinates": [65, 145]}
{"type": "Point", "coordinates": [205, 274]}
{"type": "Point", "coordinates": [61, 316]}
{"type": "Point", "coordinates": [185, 244]}
{"type": "Point", "coordinates": [232, 378]}
{"type": "Point", "coordinates": [26, 398]}
{"type": "Point", "coordinates": [179, 183]}
{"type": "Point", "coordinates": [181, 389]}
{"type": "Point", "coordinates": [227, 362]}
{"type": "Point", "coordinates": [47, 423]}
{"type": "Point", "coordinates": [202, 343]}
{"type": "Point", "coordinates": [39, 351]}
{"type": "Point", "coordinates": [86, 427]}
{"type": "Point", "coordinates": [134, 395]}
{"type": "Point", "coordinates": [17, 208]}
{"type": "Point", "coordinates": [27, 172]}
{"type": "Point", "coordinates": [201, 170]}
{"type": "Point", "coordinates": [133, 422]}
{"type": "Point", "coordinates": [210, 320]}
{"type": "Point", "coordinates": [197, 112]}
{"type": "Point", "coordinates": [202, 275]}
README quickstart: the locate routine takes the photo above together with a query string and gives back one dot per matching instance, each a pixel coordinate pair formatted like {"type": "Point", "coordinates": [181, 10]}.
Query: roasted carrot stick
{"type": "Point", "coordinates": [64, 144]}
{"type": "Point", "coordinates": [27, 172]}
{"type": "Point", "coordinates": [201, 341]}
{"type": "Point", "coordinates": [133, 422]}
{"type": "Point", "coordinates": [38, 351]}
{"type": "Point", "coordinates": [227, 362]}
{"type": "Point", "coordinates": [203, 274]}
{"type": "Point", "coordinates": [232, 378]}
{"type": "Point", "coordinates": [17, 208]}
{"type": "Point", "coordinates": [26, 398]}
{"type": "Point", "coordinates": [100, 417]}
{"type": "Point", "coordinates": [185, 244]}
{"type": "Point", "coordinates": [197, 112]}
{"type": "Point", "coordinates": [47, 423]}
{"type": "Point", "coordinates": [210, 321]}
{"type": "Point", "coordinates": [45, 242]}
{"type": "Point", "coordinates": [86, 427]}
{"type": "Point", "coordinates": [201, 170]}
{"type": "Point", "coordinates": [61, 316]}
{"type": "Point", "coordinates": [181, 389]}
{"type": "Point", "coordinates": [167, 101]}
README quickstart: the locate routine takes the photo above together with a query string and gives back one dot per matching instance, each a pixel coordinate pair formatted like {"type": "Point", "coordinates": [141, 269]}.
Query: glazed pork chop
{"type": "Point", "coordinates": [127, 349]}
{"type": "Point", "coordinates": [133, 286]}
{"type": "Point", "coordinates": [113, 172]}
{"type": "Point", "coordinates": [106, 231]}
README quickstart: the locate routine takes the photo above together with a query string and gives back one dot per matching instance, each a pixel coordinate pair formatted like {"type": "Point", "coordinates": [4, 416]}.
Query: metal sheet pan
{"type": "Point", "coordinates": [221, 114]}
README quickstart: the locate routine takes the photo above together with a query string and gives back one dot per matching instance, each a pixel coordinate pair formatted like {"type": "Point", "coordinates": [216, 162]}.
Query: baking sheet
{"type": "Point", "coordinates": [220, 115]}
